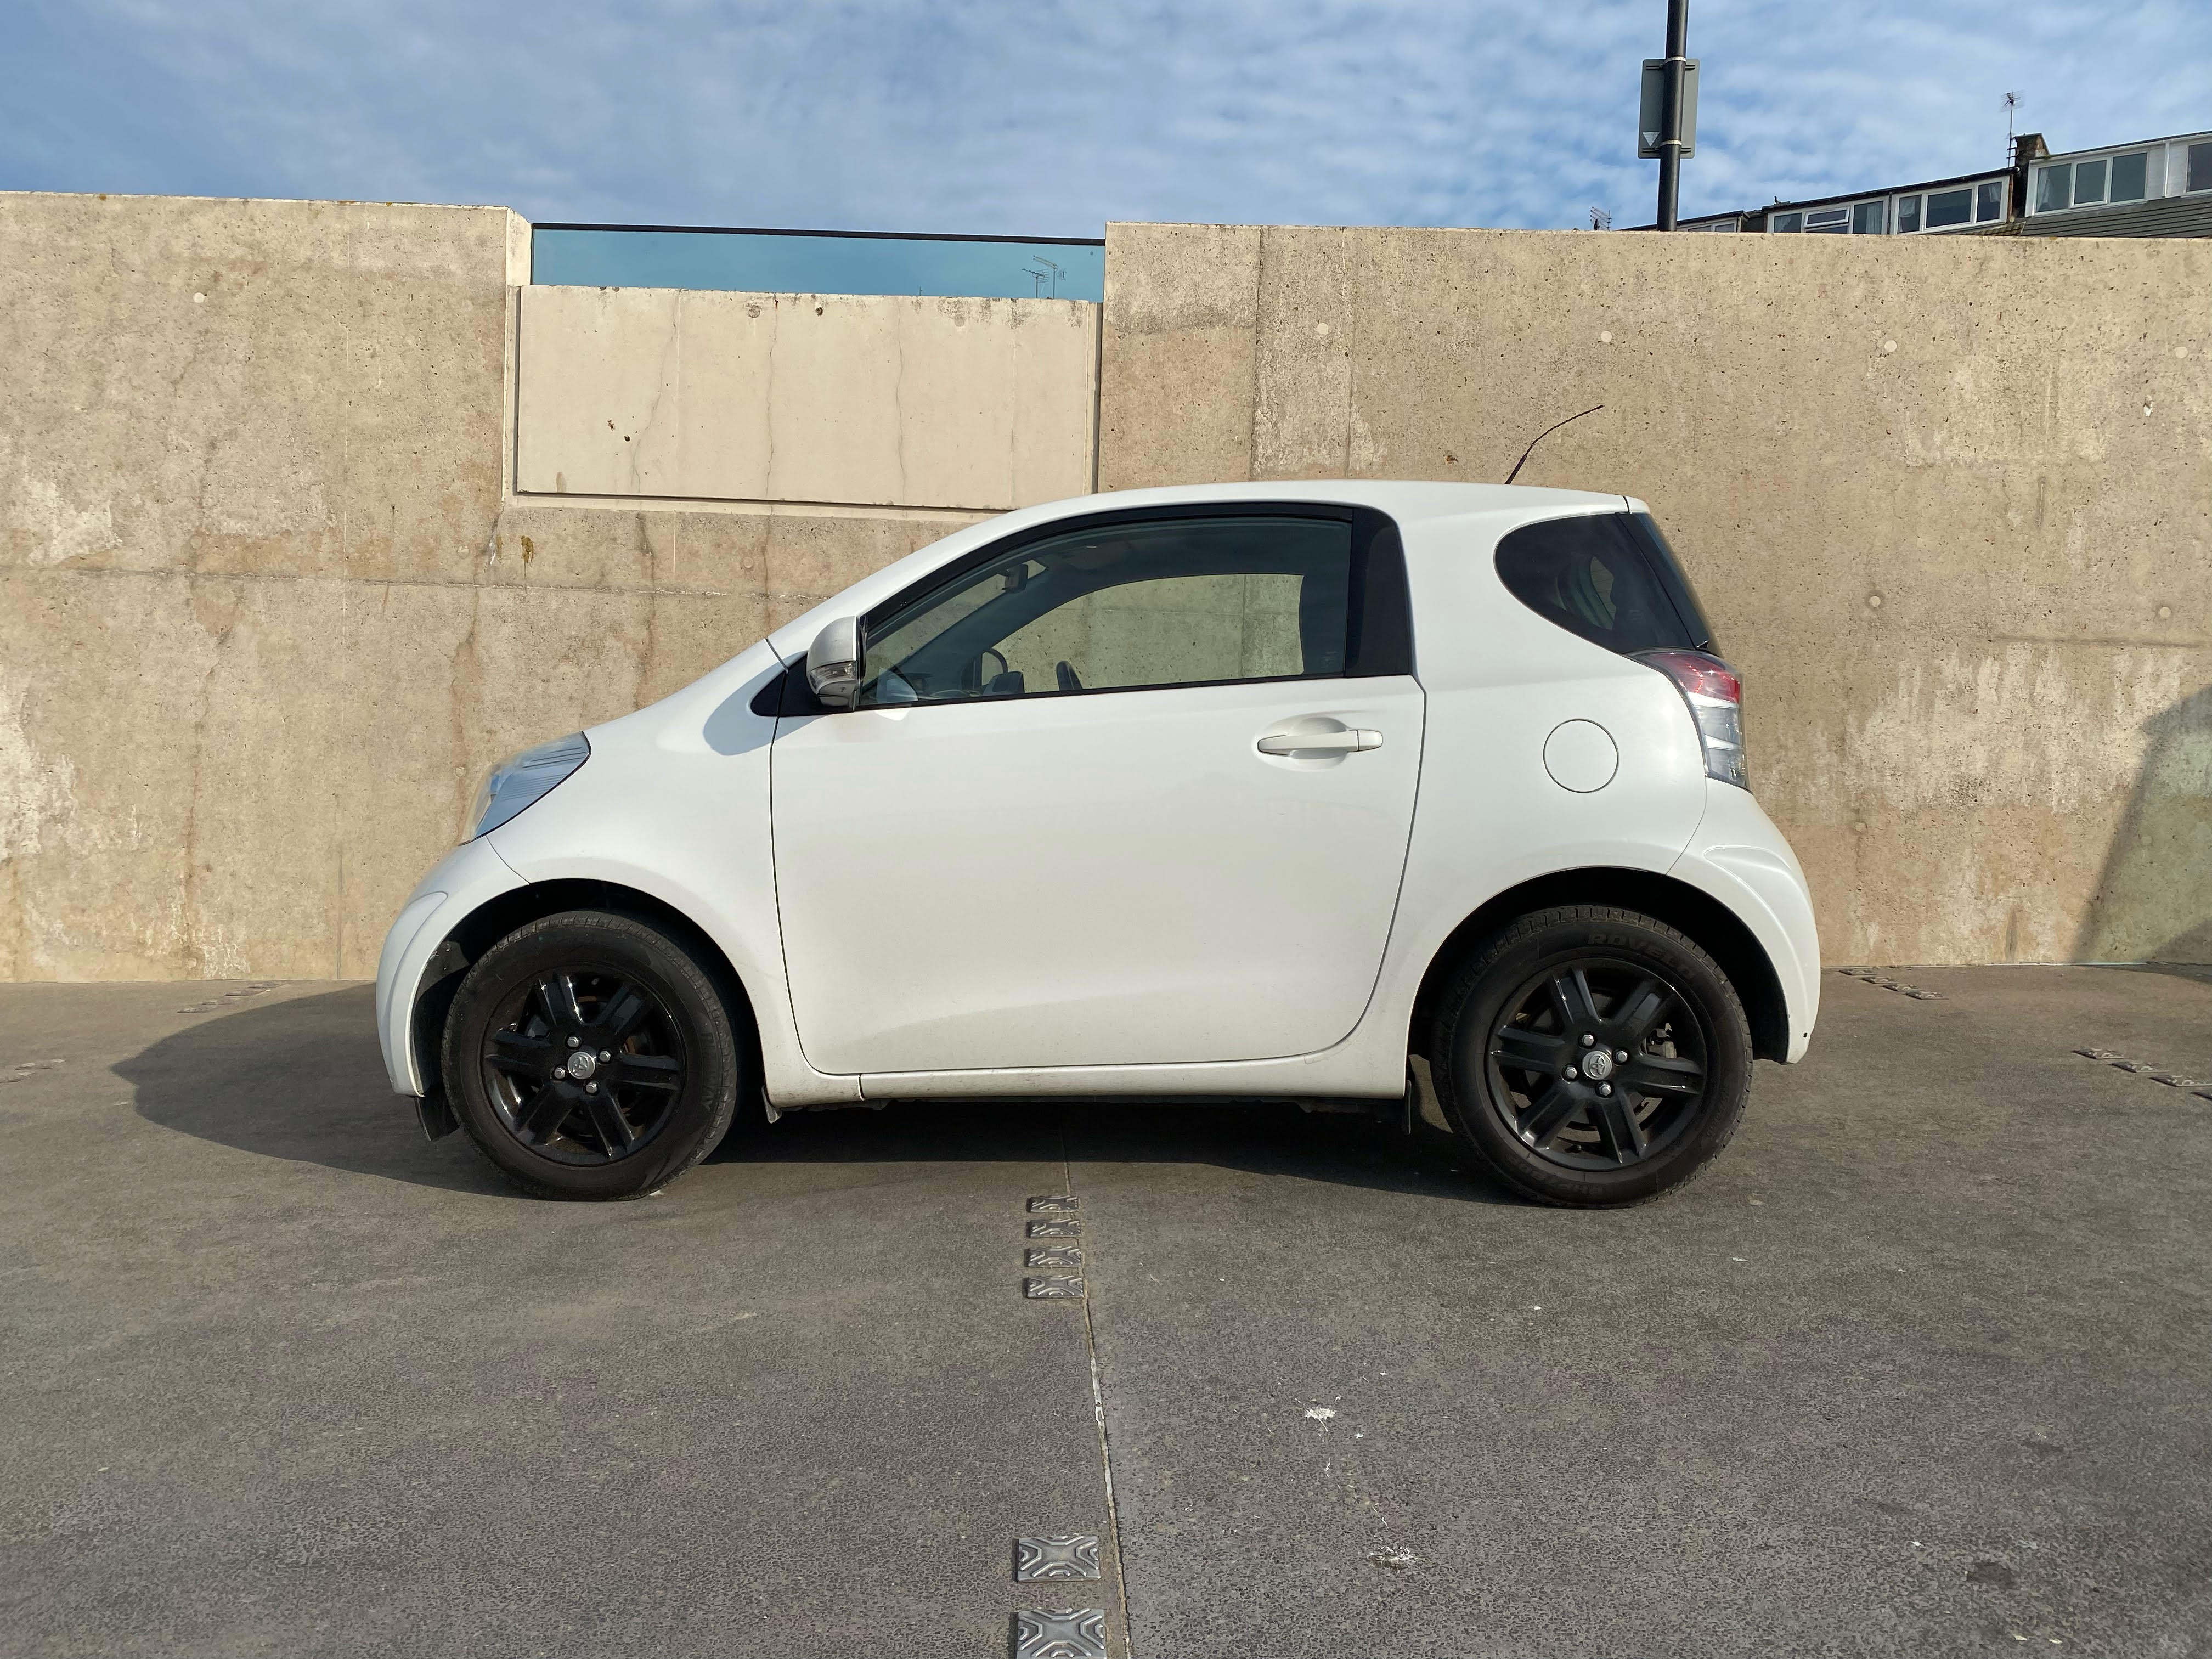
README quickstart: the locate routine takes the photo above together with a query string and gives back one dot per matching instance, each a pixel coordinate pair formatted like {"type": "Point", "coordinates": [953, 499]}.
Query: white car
{"type": "Point", "coordinates": [1348, 793]}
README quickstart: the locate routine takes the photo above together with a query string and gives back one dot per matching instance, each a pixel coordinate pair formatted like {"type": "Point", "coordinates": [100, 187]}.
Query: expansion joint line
{"type": "Point", "coordinates": [1099, 1399]}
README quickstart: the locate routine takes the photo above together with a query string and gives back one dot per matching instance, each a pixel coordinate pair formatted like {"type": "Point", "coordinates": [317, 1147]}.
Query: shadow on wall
{"type": "Point", "coordinates": [302, 1079]}
{"type": "Point", "coordinates": [2153, 899]}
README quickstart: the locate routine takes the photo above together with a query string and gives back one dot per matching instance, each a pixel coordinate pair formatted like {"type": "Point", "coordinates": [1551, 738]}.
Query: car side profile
{"type": "Point", "coordinates": [1365, 794]}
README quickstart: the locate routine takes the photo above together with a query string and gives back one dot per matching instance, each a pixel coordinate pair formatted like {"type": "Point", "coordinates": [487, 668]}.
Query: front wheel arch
{"type": "Point", "coordinates": [1714, 929]}
{"type": "Point", "coordinates": [497, 917]}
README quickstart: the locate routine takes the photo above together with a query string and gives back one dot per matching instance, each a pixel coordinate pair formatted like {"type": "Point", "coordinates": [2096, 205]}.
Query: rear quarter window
{"type": "Point", "coordinates": [1596, 574]}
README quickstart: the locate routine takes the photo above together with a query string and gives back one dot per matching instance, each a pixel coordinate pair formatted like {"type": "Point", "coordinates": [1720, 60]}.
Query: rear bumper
{"type": "Point", "coordinates": [1740, 858]}
{"type": "Point", "coordinates": [463, 880]}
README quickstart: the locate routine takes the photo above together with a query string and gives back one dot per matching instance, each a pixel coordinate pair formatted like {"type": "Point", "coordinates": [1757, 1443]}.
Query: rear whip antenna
{"type": "Point", "coordinates": [1540, 438]}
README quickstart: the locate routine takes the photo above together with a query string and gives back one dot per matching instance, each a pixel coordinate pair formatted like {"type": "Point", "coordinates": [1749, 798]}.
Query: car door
{"type": "Point", "coordinates": [1134, 789]}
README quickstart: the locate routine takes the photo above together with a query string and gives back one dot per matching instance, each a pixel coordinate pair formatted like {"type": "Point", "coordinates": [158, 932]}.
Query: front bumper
{"type": "Point", "coordinates": [465, 880]}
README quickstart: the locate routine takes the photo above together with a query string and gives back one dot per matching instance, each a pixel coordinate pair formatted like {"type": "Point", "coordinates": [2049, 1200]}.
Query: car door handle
{"type": "Point", "coordinates": [1310, 742]}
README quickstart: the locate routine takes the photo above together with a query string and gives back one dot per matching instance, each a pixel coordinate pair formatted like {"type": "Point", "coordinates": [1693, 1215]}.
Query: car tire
{"type": "Point", "coordinates": [1592, 1056]}
{"type": "Point", "coordinates": [591, 1056]}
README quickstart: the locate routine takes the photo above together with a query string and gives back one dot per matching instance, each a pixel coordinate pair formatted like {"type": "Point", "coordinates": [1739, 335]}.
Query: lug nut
{"type": "Point", "coordinates": [1620, 1054]}
{"type": "Point", "coordinates": [605, 1054]}
{"type": "Point", "coordinates": [575, 1042]}
{"type": "Point", "coordinates": [1571, 1073]}
{"type": "Point", "coordinates": [1588, 1039]}
{"type": "Point", "coordinates": [591, 1088]}
{"type": "Point", "coordinates": [1605, 1087]}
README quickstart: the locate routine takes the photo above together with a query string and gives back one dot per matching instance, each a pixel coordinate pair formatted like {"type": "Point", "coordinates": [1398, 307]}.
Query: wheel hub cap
{"type": "Point", "coordinates": [1597, 1066]}
{"type": "Point", "coordinates": [582, 1064]}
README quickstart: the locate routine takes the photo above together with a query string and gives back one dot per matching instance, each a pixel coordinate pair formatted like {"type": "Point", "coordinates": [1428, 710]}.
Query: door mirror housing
{"type": "Point", "coordinates": [833, 664]}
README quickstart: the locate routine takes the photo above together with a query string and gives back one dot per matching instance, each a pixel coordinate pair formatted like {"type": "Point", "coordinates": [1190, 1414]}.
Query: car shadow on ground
{"type": "Point", "coordinates": [300, 1079]}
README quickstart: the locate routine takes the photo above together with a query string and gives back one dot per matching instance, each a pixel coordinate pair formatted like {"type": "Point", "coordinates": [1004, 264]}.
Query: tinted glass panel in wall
{"type": "Point", "coordinates": [1908, 215]}
{"type": "Point", "coordinates": [1183, 602]}
{"type": "Point", "coordinates": [1590, 576]}
{"type": "Point", "coordinates": [2129, 176]}
{"type": "Point", "coordinates": [1869, 218]}
{"type": "Point", "coordinates": [1950, 207]}
{"type": "Point", "coordinates": [2200, 167]}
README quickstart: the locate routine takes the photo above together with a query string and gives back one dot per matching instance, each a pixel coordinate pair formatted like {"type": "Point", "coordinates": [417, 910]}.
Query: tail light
{"type": "Point", "coordinates": [1715, 694]}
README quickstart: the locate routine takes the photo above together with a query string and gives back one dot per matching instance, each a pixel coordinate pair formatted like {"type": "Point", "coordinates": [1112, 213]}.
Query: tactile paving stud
{"type": "Point", "coordinates": [1069, 1555]}
{"type": "Point", "coordinates": [1045, 1288]}
{"type": "Point", "coordinates": [1060, 1634]}
{"type": "Point", "coordinates": [1053, 1256]}
{"type": "Point", "coordinates": [1056, 1227]}
{"type": "Point", "coordinates": [1052, 1204]}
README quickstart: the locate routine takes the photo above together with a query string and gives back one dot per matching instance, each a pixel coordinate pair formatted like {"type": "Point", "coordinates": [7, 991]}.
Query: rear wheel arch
{"type": "Point", "coordinates": [497, 917]}
{"type": "Point", "coordinates": [1714, 929]}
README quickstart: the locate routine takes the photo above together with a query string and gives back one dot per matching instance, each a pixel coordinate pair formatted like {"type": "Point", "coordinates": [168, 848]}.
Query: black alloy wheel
{"type": "Point", "coordinates": [584, 1065]}
{"type": "Point", "coordinates": [590, 1054]}
{"type": "Point", "coordinates": [1597, 1063]}
{"type": "Point", "coordinates": [1591, 1055]}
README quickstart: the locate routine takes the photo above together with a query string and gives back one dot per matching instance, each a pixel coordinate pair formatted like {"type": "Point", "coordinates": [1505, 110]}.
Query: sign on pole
{"type": "Point", "coordinates": [1655, 104]}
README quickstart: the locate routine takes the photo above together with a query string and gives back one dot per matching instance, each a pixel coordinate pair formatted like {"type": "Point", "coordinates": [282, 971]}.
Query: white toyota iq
{"type": "Point", "coordinates": [1400, 796]}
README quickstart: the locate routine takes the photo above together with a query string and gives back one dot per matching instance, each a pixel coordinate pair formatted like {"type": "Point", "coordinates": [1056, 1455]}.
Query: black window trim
{"type": "Point", "coordinates": [1378, 622]}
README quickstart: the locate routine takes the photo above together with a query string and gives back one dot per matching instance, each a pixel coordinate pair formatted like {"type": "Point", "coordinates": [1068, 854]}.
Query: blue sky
{"type": "Point", "coordinates": [1048, 119]}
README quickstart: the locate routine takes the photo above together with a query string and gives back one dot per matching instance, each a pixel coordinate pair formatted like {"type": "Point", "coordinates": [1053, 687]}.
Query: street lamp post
{"type": "Point", "coordinates": [1670, 112]}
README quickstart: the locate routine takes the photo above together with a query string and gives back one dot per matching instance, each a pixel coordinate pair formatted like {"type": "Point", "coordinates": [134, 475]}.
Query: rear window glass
{"type": "Point", "coordinates": [1645, 530]}
{"type": "Point", "coordinates": [1607, 577]}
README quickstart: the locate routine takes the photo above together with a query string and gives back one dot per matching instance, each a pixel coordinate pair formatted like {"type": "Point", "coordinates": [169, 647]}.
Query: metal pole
{"type": "Point", "coordinates": [1670, 112]}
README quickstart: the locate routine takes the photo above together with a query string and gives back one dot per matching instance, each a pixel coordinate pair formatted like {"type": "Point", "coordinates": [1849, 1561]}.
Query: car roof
{"type": "Point", "coordinates": [1407, 500]}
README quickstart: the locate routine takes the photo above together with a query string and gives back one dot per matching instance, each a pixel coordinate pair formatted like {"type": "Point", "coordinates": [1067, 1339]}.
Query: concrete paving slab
{"type": "Point", "coordinates": [1919, 1366]}
{"type": "Point", "coordinates": [281, 1377]}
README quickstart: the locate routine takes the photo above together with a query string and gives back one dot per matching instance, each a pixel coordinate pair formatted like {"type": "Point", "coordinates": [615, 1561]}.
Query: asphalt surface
{"type": "Point", "coordinates": [1921, 1365]}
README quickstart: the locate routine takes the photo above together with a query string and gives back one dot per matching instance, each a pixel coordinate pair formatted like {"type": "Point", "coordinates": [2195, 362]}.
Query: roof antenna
{"type": "Point", "coordinates": [1540, 438]}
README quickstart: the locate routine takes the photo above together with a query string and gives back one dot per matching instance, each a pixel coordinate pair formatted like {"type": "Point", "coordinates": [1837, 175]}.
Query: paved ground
{"type": "Point", "coordinates": [1920, 1367]}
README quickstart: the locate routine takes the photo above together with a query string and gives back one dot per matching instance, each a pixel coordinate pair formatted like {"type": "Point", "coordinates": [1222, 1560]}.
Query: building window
{"type": "Point", "coordinates": [1989, 201]}
{"type": "Point", "coordinates": [2200, 167]}
{"type": "Point", "coordinates": [2105, 179]}
{"type": "Point", "coordinates": [1908, 215]}
{"type": "Point", "coordinates": [1950, 207]}
{"type": "Point", "coordinates": [1782, 222]}
{"type": "Point", "coordinates": [1869, 218]}
{"type": "Point", "coordinates": [1828, 221]}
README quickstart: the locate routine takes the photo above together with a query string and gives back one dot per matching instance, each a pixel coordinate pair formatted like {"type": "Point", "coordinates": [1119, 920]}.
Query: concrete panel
{"type": "Point", "coordinates": [263, 618]}
{"type": "Point", "coordinates": [1949, 502]}
{"type": "Point", "coordinates": [866, 400]}
{"type": "Point", "coordinates": [1178, 354]}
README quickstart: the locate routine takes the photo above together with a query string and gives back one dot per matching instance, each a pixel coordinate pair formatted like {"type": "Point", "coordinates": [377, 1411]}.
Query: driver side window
{"type": "Point", "coordinates": [1118, 607]}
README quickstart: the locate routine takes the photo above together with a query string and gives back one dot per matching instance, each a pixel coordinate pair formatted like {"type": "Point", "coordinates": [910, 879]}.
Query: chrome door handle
{"type": "Point", "coordinates": [1323, 743]}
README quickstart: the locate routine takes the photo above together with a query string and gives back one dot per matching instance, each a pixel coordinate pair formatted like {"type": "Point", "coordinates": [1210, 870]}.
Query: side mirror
{"type": "Point", "coordinates": [833, 664]}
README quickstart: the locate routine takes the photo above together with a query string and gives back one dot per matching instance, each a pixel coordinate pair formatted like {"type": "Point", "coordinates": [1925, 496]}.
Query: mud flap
{"type": "Point", "coordinates": [436, 1114]}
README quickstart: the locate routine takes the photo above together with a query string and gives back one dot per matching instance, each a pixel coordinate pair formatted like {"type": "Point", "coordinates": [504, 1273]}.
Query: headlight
{"type": "Point", "coordinates": [521, 778]}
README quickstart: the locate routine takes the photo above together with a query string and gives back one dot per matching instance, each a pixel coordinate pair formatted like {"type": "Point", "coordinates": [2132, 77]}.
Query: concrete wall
{"type": "Point", "coordinates": [267, 602]}
{"type": "Point", "coordinates": [269, 598]}
{"type": "Point", "coordinates": [857, 400]}
{"type": "Point", "coordinates": [1948, 500]}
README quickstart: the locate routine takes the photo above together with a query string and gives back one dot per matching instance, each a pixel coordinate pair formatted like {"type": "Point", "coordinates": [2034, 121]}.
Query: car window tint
{"type": "Point", "coordinates": [1672, 578]}
{"type": "Point", "coordinates": [1151, 602]}
{"type": "Point", "coordinates": [1587, 575]}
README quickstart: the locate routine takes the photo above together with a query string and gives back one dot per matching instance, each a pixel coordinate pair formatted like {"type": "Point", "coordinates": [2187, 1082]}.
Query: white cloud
{"type": "Point", "coordinates": [1049, 117]}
